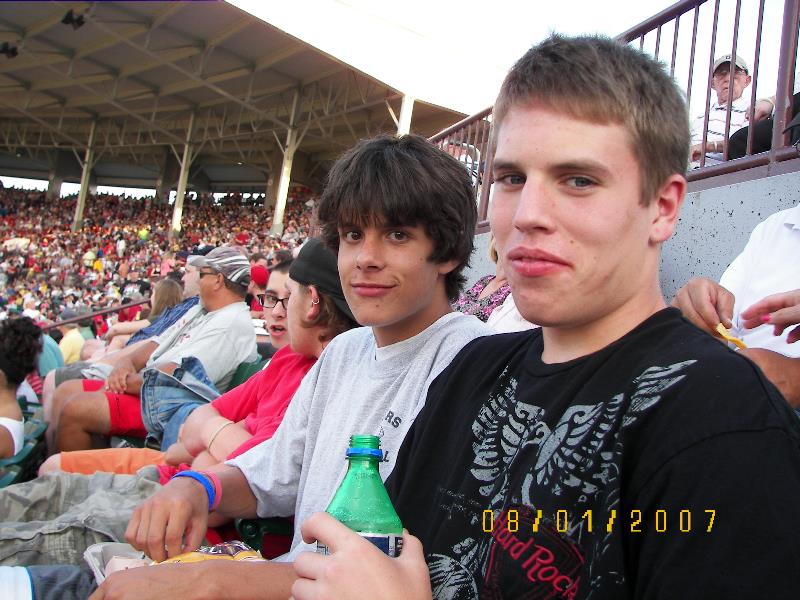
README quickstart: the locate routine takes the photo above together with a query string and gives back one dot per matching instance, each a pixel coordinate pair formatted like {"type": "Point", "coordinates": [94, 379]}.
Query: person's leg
{"type": "Point", "coordinates": [51, 465]}
{"type": "Point", "coordinates": [48, 388]}
{"type": "Point", "coordinates": [123, 461]}
{"type": "Point", "coordinates": [762, 139]}
{"type": "Point", "coordinates": [60, 582]}
{"type": "Point", "coordinates": [62, 394]}
{"type": "Point", "coordinates": [82, 416]}
{"type": "Point", "coordinates": [90, 347]}
{"type": "Point", "coordinates": [118, 343]}
{"type": "Point", "coordinates": [53, 519]}
{"type": "Point", "coordinates": [98, 413]}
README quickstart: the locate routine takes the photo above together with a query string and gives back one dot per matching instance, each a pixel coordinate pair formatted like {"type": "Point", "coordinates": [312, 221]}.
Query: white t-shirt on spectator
{"type": "Point", "coordinates": [767, 265]}
{"type": "Point", "coordinates": [220, 340]}
{"type": "Point", "coordinates": [716, 120]}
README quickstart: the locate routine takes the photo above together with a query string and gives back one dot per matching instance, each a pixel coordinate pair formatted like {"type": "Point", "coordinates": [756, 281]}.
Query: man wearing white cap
{"type": "Point", "coordinates": [726, 85]}
{"type": "Point", "coordinates": [218, 332]}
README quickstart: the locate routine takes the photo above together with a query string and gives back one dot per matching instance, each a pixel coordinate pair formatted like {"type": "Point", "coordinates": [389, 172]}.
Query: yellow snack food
{"type": "Point", "coordinates": [729, 338]}
{"type": "Point", "coordinates": [226, 551]}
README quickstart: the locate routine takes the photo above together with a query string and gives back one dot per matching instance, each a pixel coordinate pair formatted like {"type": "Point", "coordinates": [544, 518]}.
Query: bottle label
{"type": "Point", "coordinates": [388, 543]}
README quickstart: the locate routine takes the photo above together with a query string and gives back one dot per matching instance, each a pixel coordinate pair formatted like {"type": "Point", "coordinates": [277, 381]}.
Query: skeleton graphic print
{"type": "Point", "coordinates": [595, 478]}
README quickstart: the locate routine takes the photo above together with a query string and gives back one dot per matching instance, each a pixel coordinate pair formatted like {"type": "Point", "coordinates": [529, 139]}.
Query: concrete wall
{"type": "Point", "coordinates": [714, 226]}
{"type": "Point", "coordinates": [480, 264]}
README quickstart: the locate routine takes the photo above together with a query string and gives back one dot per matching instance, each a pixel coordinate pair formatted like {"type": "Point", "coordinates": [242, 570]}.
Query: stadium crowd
{"type": "Point", "coordinates": [122, 246]}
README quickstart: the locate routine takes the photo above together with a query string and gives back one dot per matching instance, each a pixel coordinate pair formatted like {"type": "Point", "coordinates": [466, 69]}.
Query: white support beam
{"type": "Point", "coordinates": [186, 162]}
{"type": "Point", "coordinates": [406, 108]}
{"type": "Point", "coordinates": [88, 163]}
{"type": "Point", "coordinates": [286, 169]}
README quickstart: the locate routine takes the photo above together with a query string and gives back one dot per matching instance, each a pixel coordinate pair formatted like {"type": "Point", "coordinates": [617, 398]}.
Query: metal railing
{"type": "Point", "coordinates": [663, 36]}
{"type": "Point", "coordinates": [468, 141]}
{"type": "Point", "coordinates": [690, 10]}
{"type": "Point", "coordinates": [91, 315]}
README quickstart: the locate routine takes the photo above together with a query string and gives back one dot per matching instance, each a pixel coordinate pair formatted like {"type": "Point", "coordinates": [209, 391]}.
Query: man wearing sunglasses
{"type": "Point", "coordinates": [218, 333]}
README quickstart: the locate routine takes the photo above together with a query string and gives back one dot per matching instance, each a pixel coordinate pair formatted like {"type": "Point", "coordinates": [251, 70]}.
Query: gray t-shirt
{"type": "Point", "coordinates": [351, 390]}
{"type": "Point", "coordinates": [220, 340]}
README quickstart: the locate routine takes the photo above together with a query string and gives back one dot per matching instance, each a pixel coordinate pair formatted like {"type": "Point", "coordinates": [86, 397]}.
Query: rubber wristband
{"type": "Point", "coordinates": [205, 480]}
{"type": "Point", "coordinates": [217, 488]}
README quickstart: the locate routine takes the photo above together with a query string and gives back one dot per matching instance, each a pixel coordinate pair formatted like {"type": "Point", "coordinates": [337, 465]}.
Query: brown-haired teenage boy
{"type": "Point", "coordinates": [401, 215]}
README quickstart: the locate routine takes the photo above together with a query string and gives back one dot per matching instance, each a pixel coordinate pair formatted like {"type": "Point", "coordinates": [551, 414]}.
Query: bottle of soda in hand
{"type": "Point", "coordinates": [361, 502]}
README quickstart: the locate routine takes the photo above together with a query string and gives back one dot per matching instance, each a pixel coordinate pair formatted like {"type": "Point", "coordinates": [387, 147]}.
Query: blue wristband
{"type": "Point", "coordinates": [203, 480]}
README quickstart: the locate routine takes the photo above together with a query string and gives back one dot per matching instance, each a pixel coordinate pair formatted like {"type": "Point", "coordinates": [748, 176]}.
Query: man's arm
{"type": "Point", "coordinates": [124, 354]}
{"type": "Point", "coordinates": [697, 149]}
{"type": "Point", "coordinates": [132, 380]}
{"type": "Point", "coordinates": [782, 371]}
{"type": "Point", "coordinates": [141, 354]}
{"type": "Point", "coordinates": [231, 580]}
{"type": "Point", "coordinates": [206, 430]}
{"type": "Point", "coordinates": [779, 310]}
{"type": "Point", "coordinates": [126, 328]}
{"type": "Point", "coordinates": [705, 303]}
{"type": "Point", "coordinates": [175, 518]}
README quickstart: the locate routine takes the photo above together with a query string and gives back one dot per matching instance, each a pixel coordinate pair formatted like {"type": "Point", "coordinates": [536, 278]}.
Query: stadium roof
{"type": "Point", "coordinates": [141, 72]}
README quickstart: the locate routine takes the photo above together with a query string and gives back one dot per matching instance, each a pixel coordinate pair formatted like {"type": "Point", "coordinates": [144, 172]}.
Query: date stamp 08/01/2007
{"type": "Point", "coordinates": [685, 521]}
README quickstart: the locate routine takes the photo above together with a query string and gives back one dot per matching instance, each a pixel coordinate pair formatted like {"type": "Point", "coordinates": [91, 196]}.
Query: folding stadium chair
{"type": "Point", "coordinates": [245, 371]}
{"type": "Point", "coordinates": [272, 537]}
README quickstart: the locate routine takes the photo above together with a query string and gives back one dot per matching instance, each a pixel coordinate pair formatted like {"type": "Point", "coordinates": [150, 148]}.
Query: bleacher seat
{"type": "Point", "coordinates": [272, 537]}
{"type": "Point", "coordinates": [24, 465]}
{"type": "Point", "coordinates": [245, 371]}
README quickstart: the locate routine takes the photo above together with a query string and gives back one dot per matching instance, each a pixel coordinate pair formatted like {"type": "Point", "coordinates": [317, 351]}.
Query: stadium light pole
{"type": "Point", "coordinates": [88, 163]}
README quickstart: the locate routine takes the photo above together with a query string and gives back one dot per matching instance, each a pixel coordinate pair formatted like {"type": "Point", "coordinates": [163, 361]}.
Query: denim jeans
{"type": "Point", "coordinates": [168, 399]}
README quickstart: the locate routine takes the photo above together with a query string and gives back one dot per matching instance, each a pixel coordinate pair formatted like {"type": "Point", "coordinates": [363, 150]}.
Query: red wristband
{"type": "Point", "coordinates": [217, 488]}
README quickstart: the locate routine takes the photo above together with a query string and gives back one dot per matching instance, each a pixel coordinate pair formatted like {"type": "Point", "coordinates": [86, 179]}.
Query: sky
{"type": "Point", "coordinates": [455, 54]}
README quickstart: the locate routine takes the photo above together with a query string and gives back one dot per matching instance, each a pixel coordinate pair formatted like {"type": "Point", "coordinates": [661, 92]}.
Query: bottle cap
{"type": "Point", "coordinates": [365, 452]}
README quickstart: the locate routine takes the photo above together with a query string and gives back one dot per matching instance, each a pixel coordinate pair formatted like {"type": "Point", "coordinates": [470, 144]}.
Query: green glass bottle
{"type": "Point", "coordinates": [361, 502]}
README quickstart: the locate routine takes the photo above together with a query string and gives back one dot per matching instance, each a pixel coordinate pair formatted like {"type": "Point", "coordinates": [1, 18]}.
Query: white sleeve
{"type": "Point", "coordinates": [273, 468]}
{"type": "Point", "coordinates": [743, 269]}
{"type": "Point", "coordinates": [506, 318]}
{"type": "Point", "coordinates": [697, 128]}
{"type": "Point", "coordinates": [17, 431]}
{"type": "Point", "coordinates": [15, 582]}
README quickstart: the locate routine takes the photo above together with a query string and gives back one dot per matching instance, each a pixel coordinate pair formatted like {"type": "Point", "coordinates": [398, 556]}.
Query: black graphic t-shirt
{"type": "Point", "coordinates": [663, 466]}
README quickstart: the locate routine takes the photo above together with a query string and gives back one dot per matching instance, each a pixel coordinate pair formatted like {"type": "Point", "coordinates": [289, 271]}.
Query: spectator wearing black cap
{"type": "Point", "coordinates": [218, 333]}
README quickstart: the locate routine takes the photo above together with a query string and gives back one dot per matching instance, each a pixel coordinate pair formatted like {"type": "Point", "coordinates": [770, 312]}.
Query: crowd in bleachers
{"type": "Point", "coordinates": [122, 245]}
